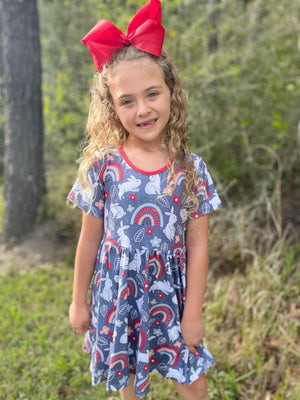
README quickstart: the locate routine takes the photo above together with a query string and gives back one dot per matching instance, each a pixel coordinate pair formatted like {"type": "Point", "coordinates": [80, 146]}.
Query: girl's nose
{"type": "Point", "coordinates": [142, 108]}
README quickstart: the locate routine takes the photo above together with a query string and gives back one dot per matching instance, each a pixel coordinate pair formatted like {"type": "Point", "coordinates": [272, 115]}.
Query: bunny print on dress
{"type": "Point", "coordinates": [131, 185]}
{"type": "Point", "coordinates": [123, 239]}
{"type": "Point", "coordinates": [169, 230]}
{"type": "Point", "coordinates": [139, 285]}
{"type": "Point", "coordinates": [117, 211]}
{"type": "Point", "coordinates": [153, 187]}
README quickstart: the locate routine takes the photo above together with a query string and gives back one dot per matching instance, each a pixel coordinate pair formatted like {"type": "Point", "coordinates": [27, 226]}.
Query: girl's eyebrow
{"type": "Point", "coordinates": [146, 90]}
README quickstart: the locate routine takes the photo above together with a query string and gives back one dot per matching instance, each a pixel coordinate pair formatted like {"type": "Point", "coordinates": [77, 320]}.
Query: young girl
{"type": "Point", "coordinates": [145, 202]}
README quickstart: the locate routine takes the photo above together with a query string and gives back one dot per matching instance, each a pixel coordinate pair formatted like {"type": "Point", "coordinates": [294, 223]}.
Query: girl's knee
{"type": "Point", "coordinates": [198, 390]}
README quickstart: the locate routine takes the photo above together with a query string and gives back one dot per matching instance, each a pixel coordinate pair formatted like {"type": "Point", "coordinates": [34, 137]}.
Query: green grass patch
{"type": "Point", "coordinates": [253, 328]}
{"type": "Point", "coordinates": [251, 321]}
{"type": "Point", "coordinates": [41, 358]}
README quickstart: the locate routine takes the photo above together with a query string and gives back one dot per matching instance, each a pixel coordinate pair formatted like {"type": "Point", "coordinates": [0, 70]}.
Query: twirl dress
{"type": "Point", "coordinates": [139, 284]}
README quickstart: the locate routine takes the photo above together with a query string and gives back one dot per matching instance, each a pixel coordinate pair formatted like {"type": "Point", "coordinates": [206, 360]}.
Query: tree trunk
{"type": "Point", "coordinates": [24, 181]}
{"type": "Point", "coordinates": [1, 110]}
{"type": "Point", "coordinates": [257, 14]}
{"type": "Point", "coordinates": [214, 17]}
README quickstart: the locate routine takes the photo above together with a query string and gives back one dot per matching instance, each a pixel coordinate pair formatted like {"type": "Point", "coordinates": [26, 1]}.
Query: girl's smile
{"type": "Point", "coordinates": [147, 124]}
{"type": "Point", "coordinates": [141, 100]}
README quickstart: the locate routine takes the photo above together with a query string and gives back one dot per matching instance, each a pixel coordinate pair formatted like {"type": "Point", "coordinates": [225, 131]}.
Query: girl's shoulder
{"type": "Point", "coordinates": [106, 156]}
{"type": "Point", "coordinates": [198, 162]}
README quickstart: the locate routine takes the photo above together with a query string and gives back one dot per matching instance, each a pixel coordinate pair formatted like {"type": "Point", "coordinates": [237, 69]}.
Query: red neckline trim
{"type": "Point", "coordinates": [158, 171]}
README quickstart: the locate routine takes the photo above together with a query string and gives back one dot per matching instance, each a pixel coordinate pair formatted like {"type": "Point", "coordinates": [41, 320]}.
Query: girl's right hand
{"type": "Point", "coordinates": [79, 316]}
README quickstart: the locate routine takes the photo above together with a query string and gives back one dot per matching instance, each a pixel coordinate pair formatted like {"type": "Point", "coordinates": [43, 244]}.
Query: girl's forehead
{"type": "Point", "coordinates": [135, 76]}
{"type": "Point", "coordinates": [141, 65]}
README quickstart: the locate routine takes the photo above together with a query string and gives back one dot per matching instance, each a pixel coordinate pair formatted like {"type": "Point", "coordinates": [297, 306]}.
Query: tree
{"type": "Point", "coordinates": [24, 181]}
{"type": "Point", "coordinates": [1, 111]}
{"type": "Point", "coordinates": [214, 15]}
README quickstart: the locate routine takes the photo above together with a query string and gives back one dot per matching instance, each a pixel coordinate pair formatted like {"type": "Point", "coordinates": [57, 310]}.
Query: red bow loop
{"type": "Point", "coordinates": [144, 32]}
{"type": "Point", "coordinates": [150, 11]}
{"type": "Point", "coordinates": [147, 37]}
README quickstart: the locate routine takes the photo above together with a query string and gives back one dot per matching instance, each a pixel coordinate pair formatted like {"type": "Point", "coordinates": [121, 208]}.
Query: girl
{"type": "Point", "coordinates": [145, 202]}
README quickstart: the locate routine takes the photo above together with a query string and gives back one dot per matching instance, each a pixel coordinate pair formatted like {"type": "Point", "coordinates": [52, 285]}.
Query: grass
{"type": "Point", "coordinates": [252, 316]}
{"type": "Point", "coordinates": [41, 358]}
{"type": "Point", "coordinates": [252, 320]}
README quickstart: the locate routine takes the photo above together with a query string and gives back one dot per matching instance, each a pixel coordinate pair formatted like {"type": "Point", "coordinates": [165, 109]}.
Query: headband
{"type": "Point", "coordinates": [144, 32]}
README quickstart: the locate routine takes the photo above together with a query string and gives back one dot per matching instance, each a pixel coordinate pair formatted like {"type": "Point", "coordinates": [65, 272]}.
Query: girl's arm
{"type": "Point", "coordinates": [192, 327]}
{"type": "Point", "coordinates": [90, 237]}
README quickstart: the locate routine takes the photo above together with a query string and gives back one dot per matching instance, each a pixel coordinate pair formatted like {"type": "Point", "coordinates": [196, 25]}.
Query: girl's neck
{"type": "Point", "coordinates": [147, 157]}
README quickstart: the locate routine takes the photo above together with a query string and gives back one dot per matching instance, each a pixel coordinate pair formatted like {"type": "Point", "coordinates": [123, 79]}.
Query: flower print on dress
{"type": "Point", "coordinates": [100, 204]}
{"type": "Point", "coordinates": [130, 208]}
{"type": "Point", "coordinates": [139, 286]}
{"type": "Point", "coordinates": [157, 332]}
{"type": "Point", "coordinates": [176, 199]}
{"type": "Point", "coordinates": [149, 231]}
{"type": "Point", "coordinates": [105, 330]}
{"type": "Point", "coordinates": [155, 242]}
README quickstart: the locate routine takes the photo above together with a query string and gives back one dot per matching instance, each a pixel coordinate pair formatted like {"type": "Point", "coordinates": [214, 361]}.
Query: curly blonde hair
{"type": "Point", "coordinates": [105, 131]}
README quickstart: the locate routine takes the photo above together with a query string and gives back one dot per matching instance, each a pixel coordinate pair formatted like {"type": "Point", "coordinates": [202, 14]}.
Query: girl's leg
{"type": "Point", "coordinates": [128, 392]}
{"type": "Point", "coordinates": [196, 391]}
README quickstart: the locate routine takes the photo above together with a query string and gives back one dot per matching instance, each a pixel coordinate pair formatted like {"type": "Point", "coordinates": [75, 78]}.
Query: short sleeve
{"type": "Point", "coordinates": [91, 200]}
{"type": "Point", "coordinates": [205, 189]}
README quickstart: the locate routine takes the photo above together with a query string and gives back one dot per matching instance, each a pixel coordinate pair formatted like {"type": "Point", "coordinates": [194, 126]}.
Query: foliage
{"type": "Point", "coordinates": [244, 93]}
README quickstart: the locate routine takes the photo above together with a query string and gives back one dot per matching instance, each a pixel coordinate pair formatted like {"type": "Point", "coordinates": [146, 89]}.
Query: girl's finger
{"type": "Point", "coordinates": [192, 349]}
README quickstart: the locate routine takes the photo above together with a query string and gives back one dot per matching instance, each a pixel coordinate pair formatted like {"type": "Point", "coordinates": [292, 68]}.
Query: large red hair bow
{"type": "Point", "coordinates": [144, 32]}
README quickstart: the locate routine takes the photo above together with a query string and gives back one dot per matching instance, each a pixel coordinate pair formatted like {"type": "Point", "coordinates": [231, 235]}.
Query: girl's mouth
{"type": "Point", "coordinates": [147, 123]}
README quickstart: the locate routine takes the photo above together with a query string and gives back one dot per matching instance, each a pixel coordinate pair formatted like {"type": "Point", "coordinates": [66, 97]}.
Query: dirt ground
{"type": "Point", "coordinates": [41, 247]}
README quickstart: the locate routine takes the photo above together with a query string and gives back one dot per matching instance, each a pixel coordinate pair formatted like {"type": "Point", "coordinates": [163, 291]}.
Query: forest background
{"type": "Point", "coordinates": [239, 62]}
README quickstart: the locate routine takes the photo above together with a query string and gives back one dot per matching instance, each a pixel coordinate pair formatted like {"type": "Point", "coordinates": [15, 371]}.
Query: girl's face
{"type": "Point", "coordinates": [141, 100]}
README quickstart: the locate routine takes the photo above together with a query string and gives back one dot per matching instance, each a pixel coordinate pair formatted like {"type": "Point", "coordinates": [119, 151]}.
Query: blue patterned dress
{"type": "Point", "coordinates": [139, 284]}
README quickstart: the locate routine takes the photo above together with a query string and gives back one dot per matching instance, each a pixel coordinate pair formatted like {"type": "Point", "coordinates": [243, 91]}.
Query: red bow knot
{"type": "Point", "coordinates": [125, 40]}
{"type": "Point", "coordinates": [144, 32]}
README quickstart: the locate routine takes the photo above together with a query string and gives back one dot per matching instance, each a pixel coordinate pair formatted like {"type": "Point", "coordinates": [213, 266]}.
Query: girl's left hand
{"type": "Point", "coordinates": [193, 332]}
{"type": "Point", "coordinates": [79, 316]}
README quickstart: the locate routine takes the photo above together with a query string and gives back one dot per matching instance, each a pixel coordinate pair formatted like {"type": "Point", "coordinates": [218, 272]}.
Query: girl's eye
{"type": "Point", "coordinates": [153, 94]}
{"type": "Point", "coordinates": [126, 102]}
